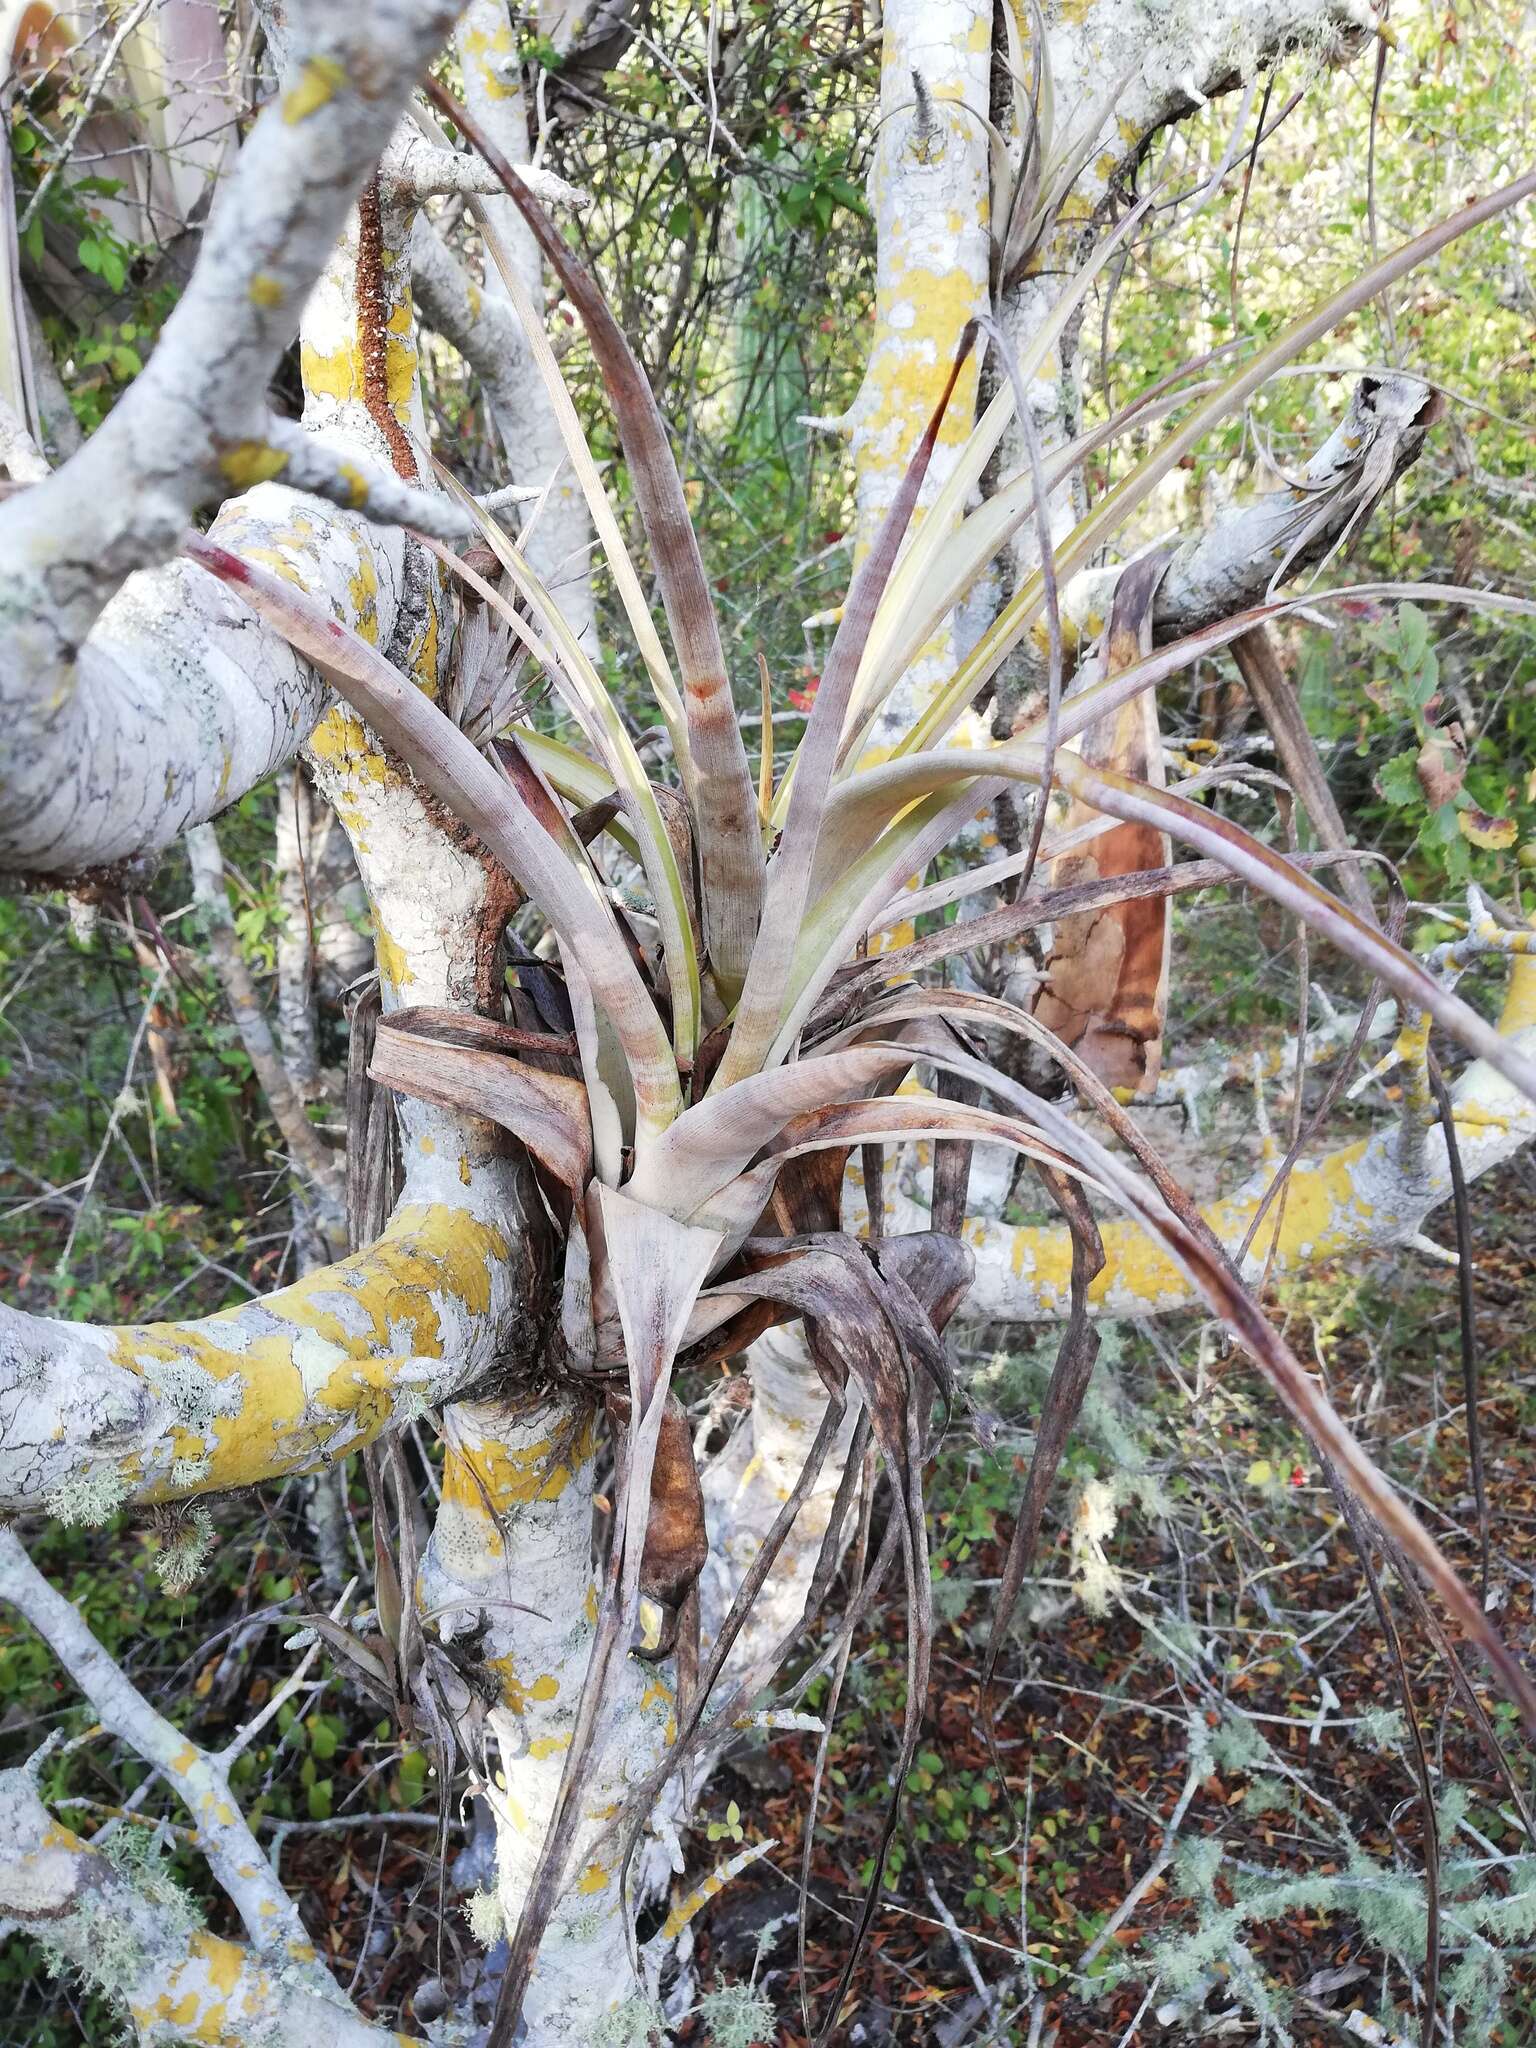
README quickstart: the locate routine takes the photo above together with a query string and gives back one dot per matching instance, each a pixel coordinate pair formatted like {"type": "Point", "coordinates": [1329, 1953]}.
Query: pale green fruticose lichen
{"type": "Point", "coordinates": [737, 2016]}
{"type": "Point", "coordinates": [183, 1553]}
{"type": "Point", "coordinates": [487, 1921]}
{"type": "Point", "coordinates": [630, 2025]}
{"type": "Point", "coordinates": [90, 1498]}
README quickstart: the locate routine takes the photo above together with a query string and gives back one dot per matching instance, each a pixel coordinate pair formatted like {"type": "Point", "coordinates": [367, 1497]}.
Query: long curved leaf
{"type": "Point", "coordinates": [459, 774]}
{"type": "Point", "coordinates": [547, 1112]}
{"type": "Point", "coordinates": [720, 783]}
{"type": "Point", "coordinates": [578, 683]}
{"type": "Point", "coordinates": [790, 874]}
{"type": "Point", "coordinates": [1016, 617]}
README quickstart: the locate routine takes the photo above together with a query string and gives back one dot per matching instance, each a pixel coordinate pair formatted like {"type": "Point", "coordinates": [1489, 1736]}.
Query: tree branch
{"type": "Point", "coordinates": [310, 1153]}
{"type": "Point", "coordinates": [1228, 564]}
{"type": "Point", "coordinates": [147, 1953]}
{"type": "Point", "coordinates": [93, 1417]}
{"type": "Point", "coordinates": [200, 1781]}
{"type": "Point", "coordinates": [134, 709]}
{"type": "Point", "coordinates": [1364, 1196]}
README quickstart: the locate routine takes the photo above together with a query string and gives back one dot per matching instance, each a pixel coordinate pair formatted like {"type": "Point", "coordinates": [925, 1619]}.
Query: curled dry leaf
{"type": "Point", "coordinates": [1441, 765]}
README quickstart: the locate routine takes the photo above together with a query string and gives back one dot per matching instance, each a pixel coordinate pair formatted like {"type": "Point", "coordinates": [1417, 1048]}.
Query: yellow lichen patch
{"type": "Point", "coordinates": [266, 290]}
{"type": "Point", "coordinates": [1520, 997]}
{"type": "Point", "coordinates": [394, 967]}
{"type": "Point", "coordinates": [482, 48]}
{"type": "Point", "coordinates": [181, 2014]}
{"type": "Point", "coordinates": [251, 462]}
{"type": "Point", "coordinates": [363, 589]}
{"type": "Point", "coordinates": [224, 1961]}
{"type": "Point", "coordinates": [516, 1696]}
{"type": "Point", "coordinates": [919, 316]}
{"type": "Point", "coordinates": [543, 1746]}
{"type": "Point", "coordinates": [342, 741]}
{"type": "Point", "coordinates": [490, 1473]}
{"type": "Point", "coordinates": [279, 563]}
{"type": "Point", "coordinates": [684, 1911]}
{"type": "Point", "coordinates": [655, 1695]}
{"type": "Point", "coordinates": [1321, 1218]}
{"type": "Point", "coordinates": [318, 1361]}
{"type": "Point", "coordinates": [426, 653]}
{"type": "Point", "coordinates": [593, 1879]}
{"type": "Point", "coordinates": [319, 80]}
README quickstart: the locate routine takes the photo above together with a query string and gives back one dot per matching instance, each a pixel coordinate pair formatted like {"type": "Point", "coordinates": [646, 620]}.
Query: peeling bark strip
{"type": "Point", "coordinates": [1106, 986]}
{"type": "Point", "coordinates": [372, 314]}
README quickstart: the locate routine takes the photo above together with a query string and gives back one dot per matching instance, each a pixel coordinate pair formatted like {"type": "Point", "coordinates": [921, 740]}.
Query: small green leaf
{"type": "Point", "coordinates": [1398, 781]}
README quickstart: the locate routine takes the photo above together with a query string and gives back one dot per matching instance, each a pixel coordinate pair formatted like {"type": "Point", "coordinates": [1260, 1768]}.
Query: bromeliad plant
{"type": "Point", "coordinates": [691, 1080]}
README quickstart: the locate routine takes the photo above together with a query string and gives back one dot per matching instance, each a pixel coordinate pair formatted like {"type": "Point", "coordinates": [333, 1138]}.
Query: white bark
{"type": "Point", "coordinates": [92, 1416]}
{"type": "Point", "coordinates": [929, 194]}
{"type": "Point", "coordinates": [748, 1483]}
{"type": "Point", "coordinates": [123, 726]}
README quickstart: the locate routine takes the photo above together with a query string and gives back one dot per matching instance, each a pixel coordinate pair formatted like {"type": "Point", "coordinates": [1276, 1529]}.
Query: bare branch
{"type": "Point", "coordinates": [234, 1856]}
{"type": "Point", "coordinates": [310, 1153]}
{"type": "Point", "coordinates": [149, 1954]}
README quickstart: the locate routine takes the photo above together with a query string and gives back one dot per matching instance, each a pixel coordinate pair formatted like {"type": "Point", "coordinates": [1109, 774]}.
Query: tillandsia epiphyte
{"type": "Point", "coordinates": [730, 1048]}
